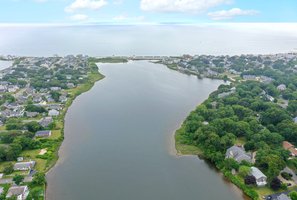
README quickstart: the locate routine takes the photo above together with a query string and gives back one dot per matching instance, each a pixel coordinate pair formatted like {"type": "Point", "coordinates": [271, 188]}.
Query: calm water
{"type": "Point", "coordinates": [117, 139]}
{"type": "Point", "coordinates": [148, 40]}
{"type": "Point", "coordinates": [5, 64]}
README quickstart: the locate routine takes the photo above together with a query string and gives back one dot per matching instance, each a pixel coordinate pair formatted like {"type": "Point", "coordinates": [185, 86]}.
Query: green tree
{"type": "Point", "coordinates": [8, 169]}
{"type": "Point", "coordinates": [244, 171]}
{"type": "Point", "coordinates": [293, 195]}
{"type": "Point", "coordinates": [39, 179]}
{"type": "Point", "coordinates": [18, 179]}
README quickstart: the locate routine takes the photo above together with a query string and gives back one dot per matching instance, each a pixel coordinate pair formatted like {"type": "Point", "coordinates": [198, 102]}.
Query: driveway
{"type": "Point", "coordinates": [288, 170]}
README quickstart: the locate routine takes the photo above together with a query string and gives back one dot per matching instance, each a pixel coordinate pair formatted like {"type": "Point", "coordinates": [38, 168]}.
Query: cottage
{"type": "Point", "coordinates": [46, 121]}
{"type": "Point", "coordinates": [31, 114]}
{"type": "Point", "coordinates": [70, 85]}
{"type": "Point", "coordinates": [63, 98]}
{"type": "Point", "coordinates": [290, 147]}
{"type": "Point", "coordinates": [238, 154]}
{"type": "Point", "coordinates": [21, 192]}
{"type": "Point", "coordinates": [45, 133]}
{"type": "Point", "coordinates": [282, 87]}
{"type": "Point", "coordinates": [24, 166]}
{"type": "Point", "coordinates": [53, 112]}
{"type": "Point", "coordinates": [261, 179]}
{"type": "Point", "coordinates": [55, 88]}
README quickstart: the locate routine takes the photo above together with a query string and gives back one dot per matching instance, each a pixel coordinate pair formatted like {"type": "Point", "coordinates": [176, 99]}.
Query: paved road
{"type": "Point", "coordinates": [27, 179]}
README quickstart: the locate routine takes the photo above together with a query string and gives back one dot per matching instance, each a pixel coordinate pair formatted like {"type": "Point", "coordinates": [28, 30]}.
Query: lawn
{"type": "Point", "coordinates": [41, 164]}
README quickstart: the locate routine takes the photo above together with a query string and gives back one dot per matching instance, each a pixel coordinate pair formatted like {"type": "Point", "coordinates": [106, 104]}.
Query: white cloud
{"type": "Point", "coordinates": [85, 4]}
{"type": "Point", "coordinates": [40, 1]}
{"type": "Point", "coordinates": [79, 17]}
{"type": "Point", "coordinates": [122, 18]}
{"type": "Point", "coordinates": [229, 14]}
{"type": "Point", "coordinates": [180, 5]}
{"type": "Point", "coordinates": [118, 2]}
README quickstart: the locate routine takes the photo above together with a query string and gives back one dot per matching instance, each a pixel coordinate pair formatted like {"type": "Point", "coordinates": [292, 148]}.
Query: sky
{"type": "Point", "coordinates": [146, 11]}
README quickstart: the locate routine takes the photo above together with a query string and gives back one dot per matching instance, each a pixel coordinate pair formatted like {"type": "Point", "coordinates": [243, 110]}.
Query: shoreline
{"type": "Point", "coordinates": [94, 77]}
{"type": "Point", "coordinates": [176, 148]}
{"type": "Point", "coordinates": [97, 76]}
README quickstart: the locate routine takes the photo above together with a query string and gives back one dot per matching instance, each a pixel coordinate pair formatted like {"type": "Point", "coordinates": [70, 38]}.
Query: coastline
{"type": "Point", "coordinates": [180, 149]}
{"type": "Point", "coordinates": [94, 77]}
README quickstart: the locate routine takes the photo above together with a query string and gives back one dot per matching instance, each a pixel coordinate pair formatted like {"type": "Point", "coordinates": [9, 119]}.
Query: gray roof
{"type": "Point", "coordinates": [43, 133]}
{"type": "Point", "coordinates": [24, 165]}
{"type": "Point", "coordinates": [16, 190]}
{"type": "Point", "coordinates": [257, 173]}
{"type": "Point", "coordinates": [238, 153]}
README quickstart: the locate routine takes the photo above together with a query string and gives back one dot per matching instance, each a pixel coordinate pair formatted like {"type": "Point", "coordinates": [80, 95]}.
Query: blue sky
{"type": "Point", "coordinates": [147, 11]}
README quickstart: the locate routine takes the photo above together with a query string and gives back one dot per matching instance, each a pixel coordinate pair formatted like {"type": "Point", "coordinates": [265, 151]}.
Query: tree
{"type": "Point", "coordinates": [39, 179]}
{"type": "Point", "coordinates": [250, 180]}
{"type": "Point", "coordinates": [33, 126]}
{"type": "Point", "coordinates": [244, 171]}
{"type": "Point", "coordinates": [230, 164]}
{"type": "Point", "coordinates": [275, 184]}
{"type": "Point", "coordinates": [293, 195]}
{"type": "Point", "coordinates": [18, 179]}
{"type": "Point", "coordinates": [8, 169]}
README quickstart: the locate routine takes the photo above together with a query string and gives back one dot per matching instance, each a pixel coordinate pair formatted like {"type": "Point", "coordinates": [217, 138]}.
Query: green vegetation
{"type": "Point", "coordinates": [243, 114]}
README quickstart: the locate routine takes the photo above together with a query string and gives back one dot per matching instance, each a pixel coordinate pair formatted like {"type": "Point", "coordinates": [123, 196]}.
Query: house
{"type": "Point", "coordinates": [70, 85]}
{"type": "Point", "coordinates": [53, 112]}
{"type": "Point", "coordinates": [31, 114]}
{"type": "Point", "coordinates": [46, 121]}
{"type": "Point", "coordinates": [55, 88]}
{"type": "Point", "coordinates": [282, 87]}
{"type": "Point", "coordinates": [261, 179]}
{"type": "Point", "coordinates": [290, 147]}
{"type": "Point", "coordinates": [283, 197]}
{"type": "Point", "coordinates": [24, 166]}
{"type": "Point", "coordinates": [63, 98]}
{"type": "Point", "coordinates": [21, 192]}
{"type": "Point", "coordinates": [238, 154]}
{"type": "Point", "coordinates": [45, 133]}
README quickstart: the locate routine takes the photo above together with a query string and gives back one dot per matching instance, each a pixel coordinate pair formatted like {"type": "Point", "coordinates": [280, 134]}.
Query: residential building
{"type": "Point", "coordinates": [53, 112]}
{"type": "Point", "coordinates": [282, 87]}
{"type": "Point", "coordinates": [238, 154]}
{"type": "Point", "coordinates": [290, 147]}
{"type": "Point", "coordinates": [46, 121]}
{"type": "Point", "coordinates": [24, 166]}
{"type": "Point", "coordinates": [261, 179]}
{"type": "Point", "coordinates": [45, 133]}
{"type": "Point", "coordinates": [21, 192]}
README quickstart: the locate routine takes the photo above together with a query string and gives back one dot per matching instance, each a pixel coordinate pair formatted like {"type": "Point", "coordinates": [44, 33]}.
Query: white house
{"type": "Point", "coordinates": [261, 179]}
{"type": "Point", "coordinates": [21, 192]}
{"type": "Point", "coordinates": [53, 112]}
{"type": "Point", "coordinates": [281, 87]}
{"type": "Point", "coordinates": [24, 166]}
